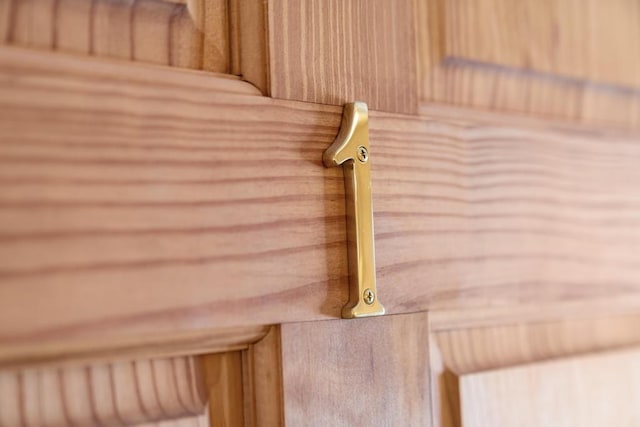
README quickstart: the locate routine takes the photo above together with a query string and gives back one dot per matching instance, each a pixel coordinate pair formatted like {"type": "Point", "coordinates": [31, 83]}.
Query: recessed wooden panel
{"type": "Point", "coordinates": [371, 371]}
{"type": "Point", "coordinates": [474, 349]}
{"type": "Point", "coordinates": [595, 390]}
{"type": "Point", "coordinates": [457, 352]}
{"type": "Point", "coordinates": [137, 201]}
{"type": "Point", "coordinates": [589, 40]}
{"type": "Point", "coordinates": [333, 52]}
{"type": "Point", "coordinates": [566, 59]}
{"type": "Point", "coordinates": [118, 393]}
{"type": "Point", "coordinates": [193, 35]}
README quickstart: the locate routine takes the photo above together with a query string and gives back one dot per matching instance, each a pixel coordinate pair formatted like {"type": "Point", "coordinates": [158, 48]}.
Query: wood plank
{"type": "Point", "coordinates": [342, 51]}
{"type": "Point", "coordinates": [486, 348]}
{"type": "Point", "coordinates": [200, 225]}
{"type": "Point", "coordinates": [446, 76]}
{"type": "Point", "coordinates": [460, 351]}
{"type": "Point", "coordinates": [567, 38]}
{"type": "Point", "coordinates": [120, 393]}
{"type": "Point", "coordinates": [593, 390]}
{"type": "Point", "coordinates": [372, 371]}
{"type": "Point", "coordinates": [189, 35]}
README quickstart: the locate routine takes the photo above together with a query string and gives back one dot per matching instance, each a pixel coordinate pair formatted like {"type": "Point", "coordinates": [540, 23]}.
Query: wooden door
{"type": "Point", "coordinates": [174, 252]}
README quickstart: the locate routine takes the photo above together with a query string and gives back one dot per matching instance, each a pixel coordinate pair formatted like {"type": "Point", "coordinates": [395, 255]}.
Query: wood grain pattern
{"type": "Point", "coordinates": [594, 390]}
{"type": "Point", "coordinates": [193, 35]}
{"type": "Point", "coordinates": [333, 52]}
{"type": "Point", "coordinates": [485, 348]}
{"type": "Point", "coordinates": [249, 33]}
{"type": "Point", "coordinates": [224, 381]}
{"type": "Point", "coordinates": [460, 351]}
{"type": "Point", "coordinates": [553, 59]}
{"type": "Point", "coordinates": [133, 208]}
{"type": "Point", "coordinates": [370, 371]}
{"type": "Point", "coordinates": [567, 38]}
{"type": "Point", "coordinates": [120, 393]}
{"type": "Point", "coordinates": [262, 381]}
{"type": "Point", "coordinates": [196, 341]}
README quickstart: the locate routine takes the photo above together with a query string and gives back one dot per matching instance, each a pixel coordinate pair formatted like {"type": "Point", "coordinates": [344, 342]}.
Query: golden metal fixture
{"type": "Point", "coordinates": [351, 151]}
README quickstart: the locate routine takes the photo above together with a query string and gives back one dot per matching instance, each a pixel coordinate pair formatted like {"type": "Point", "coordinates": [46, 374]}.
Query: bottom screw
{"type": "Point", "coordinates": [369, 296]}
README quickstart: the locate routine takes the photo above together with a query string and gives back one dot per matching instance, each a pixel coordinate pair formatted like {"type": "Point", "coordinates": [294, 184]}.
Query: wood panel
{"type": "Point", "coordinates": [332, 52]}
{"type": "Point", "coordinates": [460, 351]}
{"type": "Point", "coordinates": [548, 58]}
{"type": "Point", "coordinates": [586, 40]}
{"type": "Point", "coordinates": [120, 393]}
{"type": "Point", "coordinates": [371, 371]}
{"type": "Point", "coordinates": [583, 391]}
{"type": "Point", "coordinates": [193, 35]}
{"type": "Point", "coordinates": [201, 225]}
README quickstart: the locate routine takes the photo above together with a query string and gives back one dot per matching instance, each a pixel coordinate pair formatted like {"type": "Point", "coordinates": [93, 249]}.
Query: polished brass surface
{"type": "Point", "coordinates": [351, 151]}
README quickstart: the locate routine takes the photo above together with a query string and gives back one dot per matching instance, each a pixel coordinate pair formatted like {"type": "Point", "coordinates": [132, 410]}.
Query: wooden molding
{"type": "Point", "coordinates": [120, 393]}
{"type": "Point", "coordinates": [470, 365]}
{"type": "Point", "coordinates": [191, 34]}
{"type": "Point", "coordinates": [532, 57]}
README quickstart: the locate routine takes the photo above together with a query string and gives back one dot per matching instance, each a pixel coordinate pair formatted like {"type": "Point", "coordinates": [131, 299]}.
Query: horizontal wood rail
{"type": "Point", "coordinates": [142, 201]}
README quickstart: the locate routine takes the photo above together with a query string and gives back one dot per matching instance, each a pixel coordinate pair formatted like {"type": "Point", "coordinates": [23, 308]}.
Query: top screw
{"type": "Point", "coordinates": [363, 154]}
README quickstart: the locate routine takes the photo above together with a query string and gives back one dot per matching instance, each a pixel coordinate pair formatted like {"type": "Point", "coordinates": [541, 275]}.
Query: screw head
{"type": "Point", "coordinates": [368, 296]}
{"type": "Point", "coordinates": [363, 154]}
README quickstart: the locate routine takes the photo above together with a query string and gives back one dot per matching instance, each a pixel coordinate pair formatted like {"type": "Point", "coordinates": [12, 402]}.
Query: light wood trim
{"type": "Point", "coordinates": [471, 210]}
{"type": "Point", "coordinates": [224, 381]}
{"type": "Point", "coordinates": [250, 38]}
{"type": "Point", "coordinates": [262, 381]}
{"type": "Point", "coordinates": [120, 393]}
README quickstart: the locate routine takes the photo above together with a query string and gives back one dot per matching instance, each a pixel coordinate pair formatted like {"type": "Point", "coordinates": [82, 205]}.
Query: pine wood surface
{"type": "Point", "coordinates": [132, 207]}
{"type": "Point", "coordinates": [558, 59]}
{"type": "Point", "coordinates": [224, 381]}
{"type": "Point", "coordinates": [119, 393]}
{"type": "Point", "coordinates": [333, 52]}
{"type": "Point", "coordinates": [461, 356]}
{"type": "Point", "coordinates": [368, 371]}
{"type": "Point", "coordinates": [594, 390]}
{"type": "Point", "coordinates": [262, 381]}
{"type": "Point", "coordinates": [565, 38]}
{"type": "Point", "coordinates": [193, 35]}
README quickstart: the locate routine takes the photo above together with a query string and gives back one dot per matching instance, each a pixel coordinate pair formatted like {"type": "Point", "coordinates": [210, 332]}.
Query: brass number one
{"type": "Point", "coordinates": [351, 151]}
